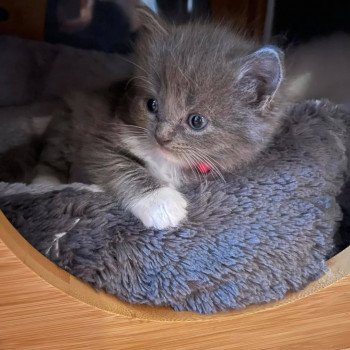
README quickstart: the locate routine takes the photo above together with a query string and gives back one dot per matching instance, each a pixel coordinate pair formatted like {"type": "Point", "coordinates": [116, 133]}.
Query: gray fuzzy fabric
{"type": "Point", "coordinates": [266, 231]}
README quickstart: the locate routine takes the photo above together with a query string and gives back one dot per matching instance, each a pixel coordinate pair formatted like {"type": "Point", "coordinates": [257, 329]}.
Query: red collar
{"type": "Point", "coordinates": [203, 168]}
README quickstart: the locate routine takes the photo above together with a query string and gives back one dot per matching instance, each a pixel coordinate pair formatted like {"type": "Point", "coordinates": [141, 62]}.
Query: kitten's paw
{"type": "Point", "coordinates": [163, 208]}
{"type": "Point", "coordinates": [46, 179]}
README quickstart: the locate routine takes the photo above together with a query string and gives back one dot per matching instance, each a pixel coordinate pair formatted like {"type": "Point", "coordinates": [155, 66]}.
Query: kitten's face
{"type": "Point", "coordinates": [204, 96]}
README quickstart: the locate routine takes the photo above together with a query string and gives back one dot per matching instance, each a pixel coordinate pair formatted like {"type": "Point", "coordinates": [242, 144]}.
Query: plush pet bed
{"type": "Point", "coordinates": [265, 231]}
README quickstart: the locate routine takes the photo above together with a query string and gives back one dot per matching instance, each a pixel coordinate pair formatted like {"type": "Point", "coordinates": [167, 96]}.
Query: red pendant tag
{"type": "Point", "coordinates": [204, 168]}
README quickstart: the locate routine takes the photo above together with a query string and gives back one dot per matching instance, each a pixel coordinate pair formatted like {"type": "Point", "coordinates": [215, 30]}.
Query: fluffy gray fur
{"type": "Point", "coordinates": [266, 231]}
{"type": "Point", "coordinates": [143, 157]}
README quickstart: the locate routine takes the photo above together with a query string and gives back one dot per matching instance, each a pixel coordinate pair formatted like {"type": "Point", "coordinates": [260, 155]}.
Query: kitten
{"type": "Point", "coordinates": [202, 101]}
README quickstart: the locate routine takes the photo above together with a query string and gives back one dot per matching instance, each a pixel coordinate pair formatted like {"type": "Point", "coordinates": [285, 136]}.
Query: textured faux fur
{"type": "Point", "coordinates": [266, 231]}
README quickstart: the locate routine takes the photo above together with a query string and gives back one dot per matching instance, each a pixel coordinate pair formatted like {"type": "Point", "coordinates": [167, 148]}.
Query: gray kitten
{"type": "Point", "coordinates": [202, 101]}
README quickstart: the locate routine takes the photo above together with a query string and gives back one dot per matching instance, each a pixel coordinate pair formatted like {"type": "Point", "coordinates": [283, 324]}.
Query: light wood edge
{"type": "Point", "coordinates": [339, 267]}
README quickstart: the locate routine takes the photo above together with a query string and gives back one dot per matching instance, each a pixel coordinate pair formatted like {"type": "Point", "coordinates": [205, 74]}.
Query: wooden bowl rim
{"type": "Point", "coordinates": [339, 267]}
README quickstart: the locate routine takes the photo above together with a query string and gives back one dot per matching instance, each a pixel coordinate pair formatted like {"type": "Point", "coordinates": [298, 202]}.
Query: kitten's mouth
{"type": "Point", "coordinates": [168, 155]}
{"type": "Point", "coordinates": [173, 158]}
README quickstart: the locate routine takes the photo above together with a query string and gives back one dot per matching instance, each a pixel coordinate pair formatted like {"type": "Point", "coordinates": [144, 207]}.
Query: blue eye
{"type": "Point", "coordinates": [152, 105]}
{"type": "Point", "coordinates": [197, 122]}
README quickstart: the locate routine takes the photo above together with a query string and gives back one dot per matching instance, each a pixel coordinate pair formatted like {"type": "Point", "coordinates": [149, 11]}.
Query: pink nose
{"type": "Point", "coordinates": [164, 133]}
{"type": "Point", "coordinates": [163, 139]}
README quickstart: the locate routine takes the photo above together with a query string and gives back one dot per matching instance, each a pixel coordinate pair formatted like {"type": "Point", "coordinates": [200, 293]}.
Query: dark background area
{"type": "Point", "coordinates": [109, 29]}
{"type": "Point", "coordinates": [112, 26]}
{"type": "Point", "coordinates": [300, 20]}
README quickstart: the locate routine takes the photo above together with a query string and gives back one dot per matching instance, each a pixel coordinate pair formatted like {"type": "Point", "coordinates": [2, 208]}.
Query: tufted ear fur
{"type": "Point", "coordinates": [261, 74]}
{"type": "Point", "coordinates": [149, 22]}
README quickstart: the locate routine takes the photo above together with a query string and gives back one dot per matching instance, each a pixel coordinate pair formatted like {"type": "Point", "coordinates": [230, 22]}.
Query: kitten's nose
{"type": "Point", "coordinates": [162, 139]}
{"type": "Point", "coordinates": [163, 134]}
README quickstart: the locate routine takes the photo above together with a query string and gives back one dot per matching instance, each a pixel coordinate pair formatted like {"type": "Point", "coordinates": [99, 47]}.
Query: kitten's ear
{"type": "Point", "coordinates": [149, 22]}
{"type": "Point", "coordinates": [261, 75]}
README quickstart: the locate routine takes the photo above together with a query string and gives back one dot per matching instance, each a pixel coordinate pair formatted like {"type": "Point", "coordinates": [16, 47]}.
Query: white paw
{"type": "Point", "coordinates": [161, 208]}
{"type": "Point", "coordinates": [44, 179]}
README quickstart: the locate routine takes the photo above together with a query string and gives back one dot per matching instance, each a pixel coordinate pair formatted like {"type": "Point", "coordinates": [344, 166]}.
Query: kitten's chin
{"type": "Point", "coordinates": [170, 157]}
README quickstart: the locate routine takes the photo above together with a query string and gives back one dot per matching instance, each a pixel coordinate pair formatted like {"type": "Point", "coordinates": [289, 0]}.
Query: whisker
{"type": "Point", "coordinates": [144, 79]}
{"type": "Point", "coordinates": [212, 159]}
{"type": "Point", "coordinates": [199, 160]}
{"type": "Point", "coordinates": [204, 177]}
{"type": "Point", "coordinates": [202, 158]}
{"type": "Point", "coordinates": [136, 65]}
{"type": "Point", "coordinates": [133, 63]}
{"type": "Point", "coordinates": [196, 160]}
{"type": "Point", "coordinates": [193, 168]}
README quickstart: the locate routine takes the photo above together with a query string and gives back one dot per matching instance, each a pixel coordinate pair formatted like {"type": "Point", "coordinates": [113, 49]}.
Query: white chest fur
{"type": "Point", "coordinates": [159, 166]}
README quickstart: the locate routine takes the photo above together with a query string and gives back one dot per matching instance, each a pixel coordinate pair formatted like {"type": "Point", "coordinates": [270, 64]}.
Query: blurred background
{"type": "Point", "coordinates": [109, 25]}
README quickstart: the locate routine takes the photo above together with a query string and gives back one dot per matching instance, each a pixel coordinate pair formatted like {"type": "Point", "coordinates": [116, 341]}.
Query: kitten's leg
{"type": "Point", "coordinates": [46, 176]}
{"type": "Point", "coordinates": [53, 167]}
{"type": "Point", "coordinates": [154, 204]}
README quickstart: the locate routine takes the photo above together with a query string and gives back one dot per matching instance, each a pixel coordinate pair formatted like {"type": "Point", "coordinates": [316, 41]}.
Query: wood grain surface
{"type": "Point", "coordinates": [43, 307]}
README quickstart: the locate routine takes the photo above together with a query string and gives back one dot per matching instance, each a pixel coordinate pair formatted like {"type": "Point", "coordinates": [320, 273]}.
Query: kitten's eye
{"type": "Point", "coordinates": [197, 122]}
{"type": "Point", "coordinates": [152, 105]}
